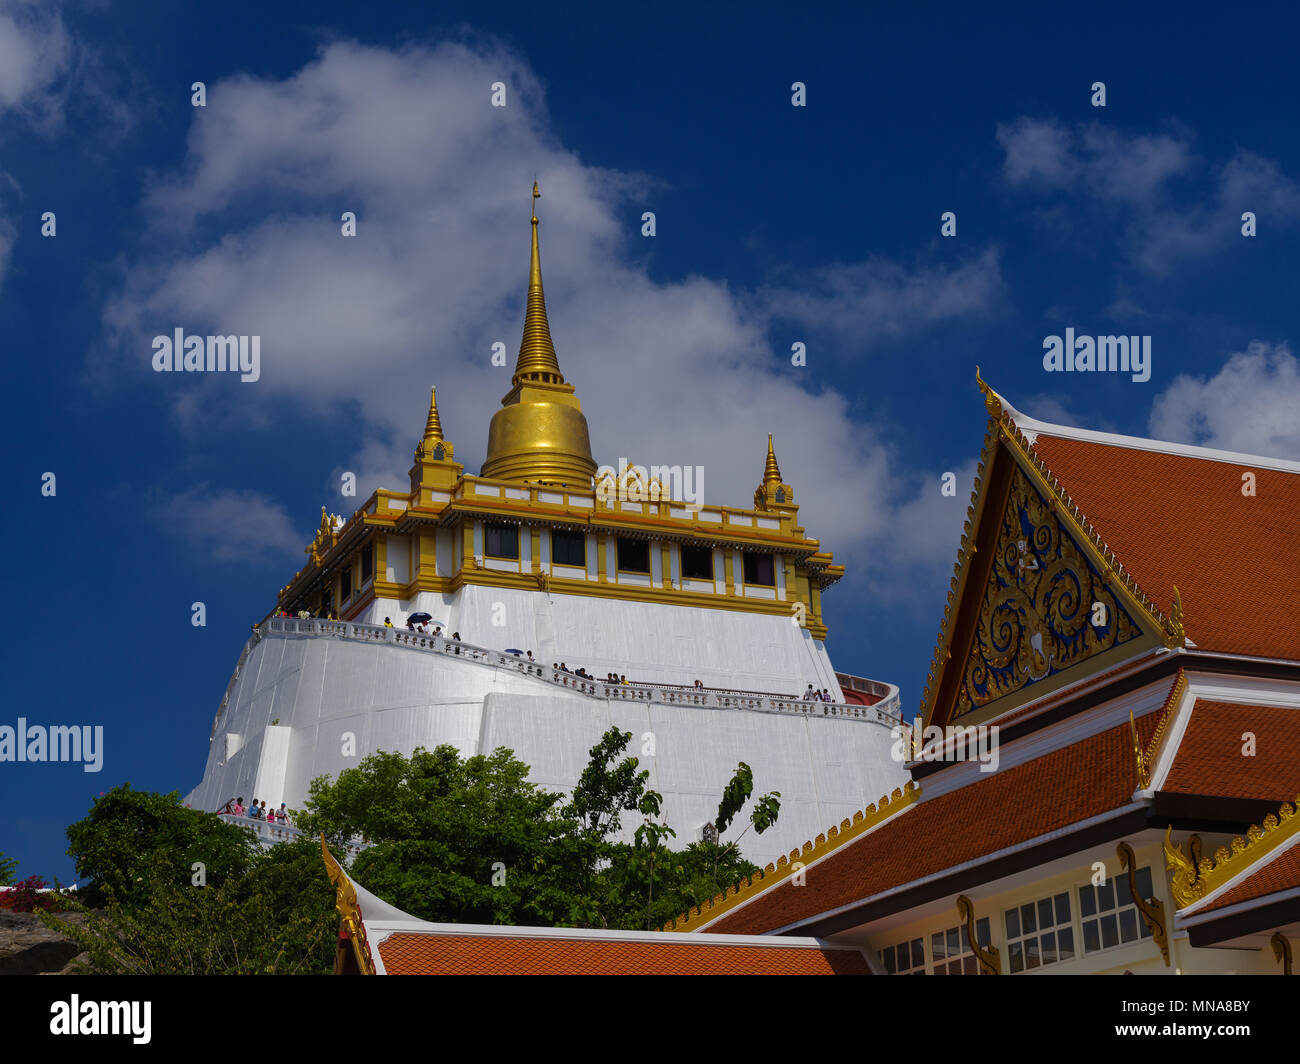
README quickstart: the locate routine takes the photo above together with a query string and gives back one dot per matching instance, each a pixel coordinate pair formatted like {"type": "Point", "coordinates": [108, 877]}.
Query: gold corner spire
{"type": "Point", "coordinates": [537, 361]}
{"type": "Point", "coordinates": [771, 471]}
{"type": "Point", "coordinates": [433, 427]}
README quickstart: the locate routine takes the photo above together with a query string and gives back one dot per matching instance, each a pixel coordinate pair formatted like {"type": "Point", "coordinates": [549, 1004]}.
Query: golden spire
{"type": "Point", "coordinates": [433, 427]}
{"type": "Point", "coordinates": [771, 472]}
{"type": "Point", "coordinates": [537, 361]}
{"type": "Point", "coordinates": [540, 433]}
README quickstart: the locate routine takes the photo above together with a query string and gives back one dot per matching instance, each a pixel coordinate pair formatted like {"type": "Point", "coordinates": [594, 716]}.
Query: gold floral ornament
{"type": "Point", "coordinates": [1040, 606]}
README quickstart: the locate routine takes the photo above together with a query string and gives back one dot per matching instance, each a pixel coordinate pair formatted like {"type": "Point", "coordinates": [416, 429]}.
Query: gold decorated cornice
{"type": "Point", "coordinates": [1191, 883]}
{"type": "Point", "coordinates": [1151, 909]}
{"type": "Point", "coordinates": [774, 874]}
{"type": "Point", "coordinates": [345, 901]}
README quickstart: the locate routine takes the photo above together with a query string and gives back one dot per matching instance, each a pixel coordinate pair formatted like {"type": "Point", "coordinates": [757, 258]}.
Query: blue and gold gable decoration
{"type": "Point", "coordinates": [1045, 606]}
{"type": "Point", "coordinates": [1037, 600]}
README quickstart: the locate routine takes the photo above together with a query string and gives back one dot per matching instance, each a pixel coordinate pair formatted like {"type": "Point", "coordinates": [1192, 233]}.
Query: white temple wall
{"type": "Point", "coordinates": [335, 701]}
{"type": "Point", "coordinates": [646, 641]}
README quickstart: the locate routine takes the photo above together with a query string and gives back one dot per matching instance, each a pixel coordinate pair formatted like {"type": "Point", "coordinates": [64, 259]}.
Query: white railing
{"type": "Point", "coordinates": [269, 834]}
{"type": "Point", "coordinates": [886, 712]}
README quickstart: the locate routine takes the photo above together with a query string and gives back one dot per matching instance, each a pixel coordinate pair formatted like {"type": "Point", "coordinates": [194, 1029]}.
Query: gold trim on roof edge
{"type": "Point", "coordinates": [1191, 884]}
{"type": "Point", "coordinates": [345, 901]}
{"type": "Point", "coordinates": [1146, 759]}
{"type": "Point", "coordinates": [773, 875]}
{"type": "Point", "coordinates": [1002, 428]}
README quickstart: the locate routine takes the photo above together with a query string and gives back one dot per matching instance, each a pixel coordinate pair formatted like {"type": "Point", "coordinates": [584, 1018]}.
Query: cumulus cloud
{"type": "Point", "coordinates": [879, 297]}
{"type": "Point", "coordinates": [231, 526]}
{"type": "Point", "coordinates": [35, 52]}
{"type": "Point", "coordinates": [1249, 406]}
{"type": "Point", "coordinates": [355, 330]}
{"type": "Point", "coordinates": [1136, 176]}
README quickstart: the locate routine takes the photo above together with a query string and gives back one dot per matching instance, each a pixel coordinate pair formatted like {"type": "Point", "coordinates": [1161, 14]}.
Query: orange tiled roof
{"type": "Point", "coordinates": [1063, 787]}
{"type": "Point", "coordinates": [425, 953]}
{"type": "Point", "coordinates": [1209, 757]}
{"type": "Point", "coordinates": [1282, 873]}
{"type": "Point", "coordinates": [1179, 519]}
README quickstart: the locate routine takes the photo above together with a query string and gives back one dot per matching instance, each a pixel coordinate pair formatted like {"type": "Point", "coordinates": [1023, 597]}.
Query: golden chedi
{"type": "Point", "coordinates": [540, 433]}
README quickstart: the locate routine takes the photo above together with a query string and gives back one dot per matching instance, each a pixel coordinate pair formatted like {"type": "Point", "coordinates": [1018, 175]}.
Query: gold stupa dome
{"type": "Point", "coordinates": [540, 432]}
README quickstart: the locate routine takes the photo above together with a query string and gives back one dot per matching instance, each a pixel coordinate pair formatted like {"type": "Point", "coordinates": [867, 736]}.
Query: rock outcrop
{"type": "Point", "coordinates": [28, 947]}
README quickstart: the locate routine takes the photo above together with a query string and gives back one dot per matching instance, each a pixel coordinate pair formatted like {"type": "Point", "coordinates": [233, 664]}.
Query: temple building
{"type": "Point", "coordinates": [1104, 777]}
{"type": "Point", "coordinates": [712, 613]}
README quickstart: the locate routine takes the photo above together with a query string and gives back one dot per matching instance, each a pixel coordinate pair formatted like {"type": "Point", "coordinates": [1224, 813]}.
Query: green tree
{"type": "Point", "coordinates": [466, 840]}
{"type": "Point", "coordinates": [132, 841]}
{"type": "Point", "coordinates": [8, 866]}
{"type": "Point", "coordinates": [734, 796]}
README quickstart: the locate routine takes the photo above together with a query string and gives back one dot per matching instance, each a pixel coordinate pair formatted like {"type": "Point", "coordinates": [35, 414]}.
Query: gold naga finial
{"type": "Point", "coordinates": [991, 400]}
{"type": "Point", "coordinates": [1175, 633]}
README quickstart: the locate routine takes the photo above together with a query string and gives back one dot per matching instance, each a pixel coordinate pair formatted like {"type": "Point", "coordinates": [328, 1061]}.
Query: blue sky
{"type": "Point", "coordinates": [775, 225]}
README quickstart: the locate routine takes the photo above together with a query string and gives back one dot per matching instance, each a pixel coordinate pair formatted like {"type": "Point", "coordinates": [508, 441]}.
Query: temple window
{"type": "Point", "coordinates": [697, 563]}
{"type": "Point", "coordinates": [367, 562]}
{"type": "Point", "coordinates": [633, 555]}
{"type": "Point", "coordinates": [345, 583]}
{"type": "Point", "coordinates": [501, 541]}
{"type": "Point", "coordinates": [1109, 917]}
{"type": "Point", "coordinates": [568, 548]}
{"type": "Point", "coordinates": [951, 952]}
{"type": "Point", "coordinates": [759, 570]}
{"type": "Point", "coordinates": [907, 958]}
{"type": "Point", "coordinates": [1039, 933]}
{"type": "Point", "coordinates": [780, 494]}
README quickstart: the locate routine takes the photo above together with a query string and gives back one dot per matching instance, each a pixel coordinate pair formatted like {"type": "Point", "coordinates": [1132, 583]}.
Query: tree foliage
{"type": "Point", "coordinates": [132, 841]}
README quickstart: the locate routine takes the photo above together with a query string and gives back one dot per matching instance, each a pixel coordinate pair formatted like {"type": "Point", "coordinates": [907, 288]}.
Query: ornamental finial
{"type": "Point", "coordinates": [537, 194]}
{"type": "Point", "coordinates": [771, 472]}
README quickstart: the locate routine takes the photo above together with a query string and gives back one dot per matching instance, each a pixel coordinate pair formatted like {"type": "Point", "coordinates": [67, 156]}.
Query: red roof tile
{"type": "Point", "coordinates": [1090, 777]}
{"type": "Point", "coordinates": [407, 953]}
{"type": "Point", "coordinates": [1209, 759]}
{"type": "Point", "coordinates": [1178, 519]}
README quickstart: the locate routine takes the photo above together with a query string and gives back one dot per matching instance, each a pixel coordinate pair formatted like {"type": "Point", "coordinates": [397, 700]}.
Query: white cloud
{"type": "Point", "coordinates": [1135, 175]}
{"type": "Point", "coordinates": [355, 330]}
{"type": "Point", "coordinates": [232, 526]}
{"type": "Point", "coordinates": [35, 52]}
{"type": "Point", "coordinates": [1249, 406]}
{"type": "Point", "coordinates": [862, 301]}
